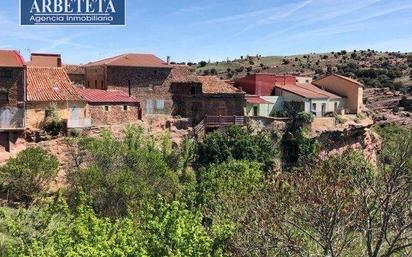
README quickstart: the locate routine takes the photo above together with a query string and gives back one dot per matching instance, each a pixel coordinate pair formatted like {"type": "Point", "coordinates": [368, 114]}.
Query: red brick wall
{"type": "Point", "coordinates": [115, 115]}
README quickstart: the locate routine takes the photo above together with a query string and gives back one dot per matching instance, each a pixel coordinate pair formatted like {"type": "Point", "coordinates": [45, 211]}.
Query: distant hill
{"type": "Point", "coordinates": [374, 69]}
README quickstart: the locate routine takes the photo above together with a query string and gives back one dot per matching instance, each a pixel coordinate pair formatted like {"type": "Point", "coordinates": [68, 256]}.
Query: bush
{"type": "Point", "coordinates": [29, 174]}
{"type": "Point", "coordinates": [304, 118]}
{"type": "Point", "coordinates": [202, 63]}
{"type": "Point", "coordinates": [236, 143]}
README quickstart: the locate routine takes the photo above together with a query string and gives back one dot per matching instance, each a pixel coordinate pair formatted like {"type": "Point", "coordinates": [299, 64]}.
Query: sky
{"type": "Point", "coordinates": [194, 30]}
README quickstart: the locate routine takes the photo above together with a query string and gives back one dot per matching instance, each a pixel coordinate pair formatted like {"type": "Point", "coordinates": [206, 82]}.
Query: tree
{"type": "Point", "coordinates": [385, 199]}
{"type": "Point", "coordinates": [236, 143]}
{"type": "Point", "coordinates": [29, 174]}
{"type": "Point", "coordinates": [202, 63]}
{"type": "Point", "coordinates": [123, 173]}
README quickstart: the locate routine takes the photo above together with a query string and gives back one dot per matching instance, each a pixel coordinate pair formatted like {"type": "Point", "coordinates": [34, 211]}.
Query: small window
{"type": "Point", "coordinates": [336, 106]}
{"type": "Point", "coordinates": [102, 84]}
{"type": "Point", "coordinates": [307, 81]}
{"type": "Point", "coordinates": [106, 108]}
{"type": "Point", "coordinates": [160, 104]}
{"type": "Point", "coordinates": [6, 74]}
{"type": "Point", "coordinates": [95, 84]}
{"type": "Point", "coordinates": [192, 90]}
{"type": "Point", "coordinates": [125, 107]}
{"type": "Point", "coordinates": [314, 107]}
{"type": "Point", "coordinates": [155, 72]}
{"type": "Point", "coordinates": [4, 96]}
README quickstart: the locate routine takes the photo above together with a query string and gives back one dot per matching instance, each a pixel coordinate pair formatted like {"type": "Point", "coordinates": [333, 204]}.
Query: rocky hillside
{"type": "Point", "coordinates": [373, 68]}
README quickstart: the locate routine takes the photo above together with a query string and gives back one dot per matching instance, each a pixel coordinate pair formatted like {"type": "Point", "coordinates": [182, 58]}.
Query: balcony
{"type": "Point", "coordinates": [79, 123]}
{"type": "Point", "coordinates": [12, 118]}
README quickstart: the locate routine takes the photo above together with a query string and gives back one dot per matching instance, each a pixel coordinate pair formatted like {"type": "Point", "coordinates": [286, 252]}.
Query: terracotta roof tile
{"type": "Point", "coordinates": [303, 92]}
{"type": "Point", "coordinates": [214, 85]}
{"type": "Point", "coordinates": [132, 60]}
{"type": "Point", "coordinates": [103, 96]}
{"type": "Point", "coordinates": [11, 58]}
{"type": "Point", "coordinates": [183, 74]}
{"type": "Point", "coordinates": [50, 84]}
{"type": "Point", "coordinates": [315, 89]}
{"type": "Point", "coordinates": [341, 77]}
{"type": "Point", "coordinates": [255, 99]}
{"type": "Point", "coordinates": [74, 69]}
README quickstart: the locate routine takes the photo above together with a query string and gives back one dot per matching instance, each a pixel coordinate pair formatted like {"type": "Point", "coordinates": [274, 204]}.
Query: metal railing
{"type": "Point", "coordinates": [223, 121]}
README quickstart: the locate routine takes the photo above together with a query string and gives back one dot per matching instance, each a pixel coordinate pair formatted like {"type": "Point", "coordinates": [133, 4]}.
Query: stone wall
{"type": "Point", "coordinates": [114, 115]}
{"type": "Point", "coordinates": [36, 112]}
{"type": "Point", "coordinates": [150, 86]}
{"type": "Point", "coordinates": [14, 86]}
{"type": "Point", "coordinates": [191, 103]}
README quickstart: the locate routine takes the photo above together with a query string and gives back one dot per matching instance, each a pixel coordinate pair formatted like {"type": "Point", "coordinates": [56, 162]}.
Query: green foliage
{"type": "Point", "coordinates": [173, 230]}
{"type": "Point", "coordinates": [28, 174]}
{"type": "Point", "coordinates": [239, 144]}
{"type": "Point", "coordinates": [304, 118]}
{"type": "Point", "coordinates": [124, 173]}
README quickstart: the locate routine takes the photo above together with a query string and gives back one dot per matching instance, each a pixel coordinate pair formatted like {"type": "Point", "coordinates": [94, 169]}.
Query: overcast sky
{"type": "Point", "coordinates": [194, 30]}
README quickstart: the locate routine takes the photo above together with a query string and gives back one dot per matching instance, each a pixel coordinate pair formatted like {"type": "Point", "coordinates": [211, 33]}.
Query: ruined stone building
{"type": "Point", "coordinates": [12, 91]}
{"type": "Point", "coordinates": [145, 77]}
{"type": "Point", "coordinates": [112, 107]}
{"type": "Point", "coordinates": [198, 96]}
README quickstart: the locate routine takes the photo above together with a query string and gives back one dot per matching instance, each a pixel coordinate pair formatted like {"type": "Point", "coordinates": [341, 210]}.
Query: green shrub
{"type": "Point", "coordinates": [29, 174]}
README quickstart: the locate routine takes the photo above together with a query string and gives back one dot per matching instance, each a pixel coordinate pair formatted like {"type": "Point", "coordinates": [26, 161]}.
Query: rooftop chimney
{"type": "Point", "coordinates": [168, 60]}
{"type": "Point", "coordinates": [45, 60]}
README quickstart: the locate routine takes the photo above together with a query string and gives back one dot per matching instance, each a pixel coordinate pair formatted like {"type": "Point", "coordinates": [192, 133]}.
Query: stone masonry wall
{"type": "Point", "coordinates": [14, 86]}
{"type": "Point", "coordinates": [116, 114]}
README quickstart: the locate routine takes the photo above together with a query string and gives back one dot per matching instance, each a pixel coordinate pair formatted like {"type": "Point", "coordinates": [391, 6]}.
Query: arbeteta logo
{"type": "Point", "coordinates": [72, 12]}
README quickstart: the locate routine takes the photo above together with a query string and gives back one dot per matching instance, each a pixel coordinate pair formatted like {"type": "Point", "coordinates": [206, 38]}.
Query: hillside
{"type": "Point", "coordinates": [374, 69]}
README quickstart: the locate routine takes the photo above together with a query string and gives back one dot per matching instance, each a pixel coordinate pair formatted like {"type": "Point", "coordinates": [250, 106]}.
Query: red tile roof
{"type": "Point", "coordinates": [50, 84]}
{"type": "Point", "coordinates": [11, 58]}
{"type": "Point", "coordinates": [303, 92]}
{"type": "Point", "coordinates": [182, 74]}
{"type": "Point", "coordinates": [214, 85]}
{"type": "Point", "coordinates": [255, 99]}
{"type": "Point", "coordinates": [315, 89]}
{"type": "Point", "coordinates": [74, 69]}
{"type": "Point", "coordinates": [132, 60]}
{"type": "Point", "coordinates": [103, 96]}
{"type": "Point", "coordinates": [354, 81]}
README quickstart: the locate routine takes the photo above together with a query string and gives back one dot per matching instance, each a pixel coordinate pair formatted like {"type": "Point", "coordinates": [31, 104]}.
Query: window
{"type": "Point", "coordinates": [95, 84]}
{"type": "Point", "coordinates": [192, 90]}
{"type": "Point", "coordinates": [4, 96]}
{"type": "Point", "coordinates": [6, 74]}
{"type": "Point", "coordinates": [336, 106]}
{"type": "Point", "coordinates": [160, 104]}
{"type": "Point", "coordinates": [149, 106]}
{"type": "Point", "coordinates": [155, 72]}
{"type": "Point", "coordinates": [314, 107]}
{"type": "Point", "coordinates": [125, 107]}
{"type": "Point", "coordinates": [88, 84]}
{"type": "Point", "coordinates": [102, 85]}
{"type": "Point", "coordinates": [106, 108]}
{"type": "Point", "coordinates": [307, 81]}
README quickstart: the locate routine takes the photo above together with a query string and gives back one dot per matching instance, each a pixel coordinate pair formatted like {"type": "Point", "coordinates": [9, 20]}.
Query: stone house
{"type": "Point", "coordinates": [12, 91]}
{"type": "Point", "coordinates": [107, 107]}
{"type": "Point", "coordinates": [75, 73]}
{"type": "Point", "coordinates": [198, 96]}
{"type": "Point", "coordinates": [145, 77]}
{"type": "Point", "coordinates": [49, 89]}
